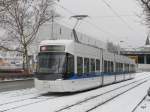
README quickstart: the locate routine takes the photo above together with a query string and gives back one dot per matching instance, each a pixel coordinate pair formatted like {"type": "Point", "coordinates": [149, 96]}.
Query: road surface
{"type": "Point", "coordinates": [16, 85]}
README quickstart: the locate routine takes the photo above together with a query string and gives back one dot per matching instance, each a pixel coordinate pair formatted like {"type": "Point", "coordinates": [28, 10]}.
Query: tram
{"type": "Point", "coordinates": [71, 66]}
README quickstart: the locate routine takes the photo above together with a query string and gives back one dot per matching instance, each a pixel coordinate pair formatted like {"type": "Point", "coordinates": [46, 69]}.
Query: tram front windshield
{"type": "Point", "coordinates": [51, 62]}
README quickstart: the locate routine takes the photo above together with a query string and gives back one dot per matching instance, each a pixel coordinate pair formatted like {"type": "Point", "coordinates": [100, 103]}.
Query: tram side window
{"type": "Point", "coordinates": [112, 66]}
{"type": "Point", "coordinates": [121, 67]}
{"type": "Point", "coordinates": [79, 65]}
{"type": "Point", "coordinates": [117, 67]}
{"type": "Point", "coordinates": [92, 65]}
{"type": "Point", "coordinates": [131, 68]}
{"type": "Point", "coordinates": [127, 67]}
{"type": "Point", "coordinates": [108, 66]}
{"type": "Point", "coordinates": [116, 70]}
{"type": "Point", "coordinates": [134, 68]}
{"type": "Point", "coordinates": [105, 66]}
{"type": "Point", "coordinates": [70, 63]}
{"type": "Point", "coordinates": [86, 65]}
{"type": "Point", "coordinates": [97, 65]}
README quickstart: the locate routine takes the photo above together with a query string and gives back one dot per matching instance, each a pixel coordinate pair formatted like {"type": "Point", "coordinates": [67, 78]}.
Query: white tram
{"type": "Point", "coordinates": [70, 66]}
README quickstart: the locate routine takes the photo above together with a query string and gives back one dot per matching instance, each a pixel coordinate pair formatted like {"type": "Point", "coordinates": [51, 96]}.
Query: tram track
{"type": "Point", "coordinates": [23, 105]}
{"type": "Point", "coordinates": [19, 100]}
{"type": "Point", "coordinates": [134, 109]}
{"type": "Point", "coordinates": [17, 93]}
{"type": "Point", "coordinates": [68, 108]}
{"type": "Point", "coordinates": [16, 97]}
{"type": "Point", "coordinates": [114, 97]}
{"type": "Point", "coordinates": [33, 96]}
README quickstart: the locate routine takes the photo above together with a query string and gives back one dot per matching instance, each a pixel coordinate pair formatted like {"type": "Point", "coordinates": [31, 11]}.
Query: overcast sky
{"type": "Point", "coordinates": [103, 22]}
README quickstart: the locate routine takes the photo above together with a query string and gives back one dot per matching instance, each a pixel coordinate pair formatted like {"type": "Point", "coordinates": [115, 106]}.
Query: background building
{"type": "Point", "coordinates": [141, 55]}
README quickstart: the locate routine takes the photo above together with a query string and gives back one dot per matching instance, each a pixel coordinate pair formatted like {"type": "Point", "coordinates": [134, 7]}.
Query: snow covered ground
{"type": "Point", "coordinates": [144, 106]}
{"type": "Point", "coordinates": [127, 95]}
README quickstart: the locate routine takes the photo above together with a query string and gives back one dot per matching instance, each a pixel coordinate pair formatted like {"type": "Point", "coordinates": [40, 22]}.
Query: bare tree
{"type": "Point", "coordinates": [146, 3]}
{"type": "Point", "coordinates": [22, 20]}
{"type": "Point", "coordinates": [146, 9]}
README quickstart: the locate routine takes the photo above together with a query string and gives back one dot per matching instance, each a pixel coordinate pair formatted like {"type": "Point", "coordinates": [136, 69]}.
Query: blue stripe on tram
{"type": "Point", "coordinates": [90, 75]}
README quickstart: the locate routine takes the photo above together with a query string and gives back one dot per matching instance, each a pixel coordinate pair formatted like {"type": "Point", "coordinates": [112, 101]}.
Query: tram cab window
{"type": "Point", "coordinates": [79, 65]}
{"type": "Point", "coordinates": [92, 65]}
{"type": "Point", "coordinates": [51, 62]}
{"type": "Point", "coordinates": [97, 65]}
{"type": "Point", "coordinates": [86, 65]}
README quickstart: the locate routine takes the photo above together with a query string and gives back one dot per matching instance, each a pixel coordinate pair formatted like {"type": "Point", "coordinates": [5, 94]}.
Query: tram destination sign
{"type": "Point", "coordinates": [52, 48]}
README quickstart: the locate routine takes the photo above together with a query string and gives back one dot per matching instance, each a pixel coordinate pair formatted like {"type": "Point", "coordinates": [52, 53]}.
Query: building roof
{"type": "Point", "coordinates": [141, 50]}
{"type": "Point", "coordinates": [147, 41]}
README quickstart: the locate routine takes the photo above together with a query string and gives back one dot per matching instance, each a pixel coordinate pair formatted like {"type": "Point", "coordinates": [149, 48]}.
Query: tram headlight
{"type": "Point", "coordinates": [58, 79]}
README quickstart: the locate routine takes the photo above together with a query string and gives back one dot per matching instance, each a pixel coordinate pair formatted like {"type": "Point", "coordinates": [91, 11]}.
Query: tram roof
{"type": "Point", "coordinates": [56, 42]}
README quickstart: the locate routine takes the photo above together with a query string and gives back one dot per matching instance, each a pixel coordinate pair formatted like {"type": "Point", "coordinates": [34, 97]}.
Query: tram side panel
{"type": "Point", "coordinates": [89, 53]}
{"type": "Point", "coordinates": [80, 84]}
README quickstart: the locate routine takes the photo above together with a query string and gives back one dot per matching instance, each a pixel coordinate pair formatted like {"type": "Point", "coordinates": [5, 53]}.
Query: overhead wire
{"type": "Point", "coordinates": [114, 16]}
{"type": "Point", "coordinates": [95, 26]}
{"type": "Point", "coordinates": [112, 9]}
{"type": "Point", "coordinates": [100, 29]}
{"type": "Point", "coordinates": [66, 9]}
